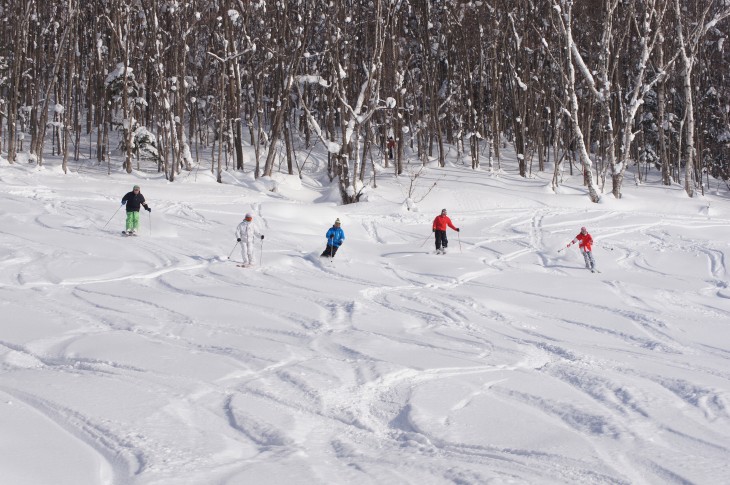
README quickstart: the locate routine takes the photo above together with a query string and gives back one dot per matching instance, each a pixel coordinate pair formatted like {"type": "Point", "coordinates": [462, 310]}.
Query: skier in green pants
{"type": "Point", "coordinates": [134, 200]}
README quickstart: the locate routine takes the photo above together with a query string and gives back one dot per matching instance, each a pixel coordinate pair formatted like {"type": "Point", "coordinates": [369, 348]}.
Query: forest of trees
{"type": "Point", "coordinates": [600, 85]}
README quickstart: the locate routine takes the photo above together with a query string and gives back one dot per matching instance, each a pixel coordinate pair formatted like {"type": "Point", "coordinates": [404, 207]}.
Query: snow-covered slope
{"type": "Point", "coordinates": [156, 360]}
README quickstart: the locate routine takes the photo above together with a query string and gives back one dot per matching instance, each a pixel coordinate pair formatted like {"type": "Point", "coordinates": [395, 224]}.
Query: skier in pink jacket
{"type": "Point", "coordinates": [585, 244]}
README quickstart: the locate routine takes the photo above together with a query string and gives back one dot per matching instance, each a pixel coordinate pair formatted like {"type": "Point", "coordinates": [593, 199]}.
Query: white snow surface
{"type": "Point", "coordinates": [156, 360]}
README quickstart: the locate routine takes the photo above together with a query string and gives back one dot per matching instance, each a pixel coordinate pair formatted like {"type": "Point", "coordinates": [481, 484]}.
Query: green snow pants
{"type": "Point", "coordinates": [132, 220]}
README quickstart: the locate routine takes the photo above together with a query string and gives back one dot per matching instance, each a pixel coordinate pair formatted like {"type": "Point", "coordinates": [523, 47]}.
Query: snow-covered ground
{"type": "Point", "coordinates": [156, 360]}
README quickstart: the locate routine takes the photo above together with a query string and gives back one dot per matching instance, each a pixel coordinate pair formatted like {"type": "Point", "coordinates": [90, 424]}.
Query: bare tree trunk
{"type": "Point", "coordinates": [661, 101]}
{"type": "Point", "coordinates": [71, 73]}
{"type": "Point", "coordinates": [289, 148]}
{"type": "Point", "coordinates": [24, 9]}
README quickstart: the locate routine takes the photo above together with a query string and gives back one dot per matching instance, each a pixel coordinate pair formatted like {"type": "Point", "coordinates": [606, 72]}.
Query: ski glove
{"type": "Point", "coordinates": [262, 236]}
{"type": "Point", "coordinates": [149, 209]}
{"type": "Point", "coordinates": [434, 230]}
{"type": "Point", "coordinates": [457, 229]}
{"type": "Point", "coordinates": [238, 239]}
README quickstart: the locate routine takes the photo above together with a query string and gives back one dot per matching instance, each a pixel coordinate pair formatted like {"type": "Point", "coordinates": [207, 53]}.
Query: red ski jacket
{"type": "Point", "coordinates": [585, 241]}
{"type": "Point", "coordinates": [440, 223]}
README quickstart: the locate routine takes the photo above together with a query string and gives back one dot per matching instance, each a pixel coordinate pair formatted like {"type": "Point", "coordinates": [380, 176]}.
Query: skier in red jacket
{"type": "Point", "coordinates": [439, 230]}
{"type": "Point", "coordinates": [585, 243]}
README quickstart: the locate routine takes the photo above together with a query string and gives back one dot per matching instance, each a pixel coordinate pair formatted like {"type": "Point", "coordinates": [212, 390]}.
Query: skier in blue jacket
{"type": "Point", "coordinates": [335, 237]}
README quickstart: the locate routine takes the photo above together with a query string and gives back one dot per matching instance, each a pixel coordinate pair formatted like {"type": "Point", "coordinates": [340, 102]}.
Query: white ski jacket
{"type": "Point", "coordinates": [247, 232]}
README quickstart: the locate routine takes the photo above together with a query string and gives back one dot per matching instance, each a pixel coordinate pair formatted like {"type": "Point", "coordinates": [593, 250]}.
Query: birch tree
{"type": "Point", "coordinates": [564, 16]}
{"type": "Point", "coordinates": [647, 25]}
{"type": "Point", "coordinates": [688, 40]}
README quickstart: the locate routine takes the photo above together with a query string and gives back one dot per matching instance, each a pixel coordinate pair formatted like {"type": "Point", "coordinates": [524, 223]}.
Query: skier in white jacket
{"type": "Point", "coordinates": [246, 232]}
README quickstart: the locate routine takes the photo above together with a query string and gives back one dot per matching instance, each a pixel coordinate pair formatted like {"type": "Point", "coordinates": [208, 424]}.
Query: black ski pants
{"type": "Point", "coordinates": [441, 239]}
{"type": "Point", "coordinates": [329, 251]}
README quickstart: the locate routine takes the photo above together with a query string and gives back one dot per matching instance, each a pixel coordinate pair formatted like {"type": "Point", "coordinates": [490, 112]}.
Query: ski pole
{"type": "Point", "coordinates": [458, 236]}
{"type": "Point", "coordinates": [150, 223]}
{"type": "Point", "coordinates": [234, 248]}
{"type": "Point", "coordinates": [424, 241]}
{"type": "Point", "coordinates": [112, 217]}
{"type": "Point", "coordinates": [261, 252]}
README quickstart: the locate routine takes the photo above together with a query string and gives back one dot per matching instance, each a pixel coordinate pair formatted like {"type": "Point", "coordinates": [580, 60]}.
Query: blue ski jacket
{"type": "Point", "coordinates": [335, 236]}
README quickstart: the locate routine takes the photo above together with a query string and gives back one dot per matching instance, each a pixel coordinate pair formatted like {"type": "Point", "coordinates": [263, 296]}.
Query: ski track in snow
{"type": "Point", "coordinates": [379, 364]}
